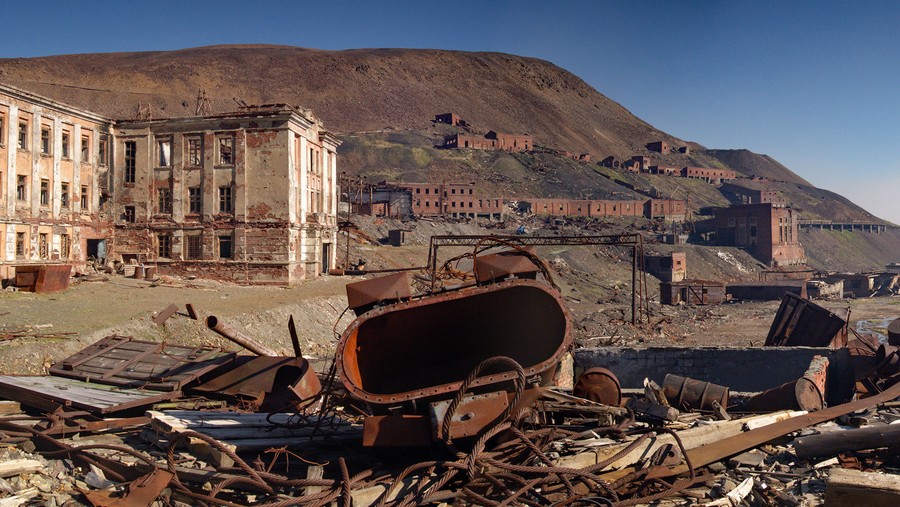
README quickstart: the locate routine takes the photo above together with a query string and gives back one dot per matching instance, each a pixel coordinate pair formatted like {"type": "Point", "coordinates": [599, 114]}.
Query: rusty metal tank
{"type": "Point", "coordinates": [422, 349]}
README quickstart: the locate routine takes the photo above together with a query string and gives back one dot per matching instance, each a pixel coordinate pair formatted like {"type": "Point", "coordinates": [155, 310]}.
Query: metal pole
{"type": "Point", "coordinates": [633, 285]}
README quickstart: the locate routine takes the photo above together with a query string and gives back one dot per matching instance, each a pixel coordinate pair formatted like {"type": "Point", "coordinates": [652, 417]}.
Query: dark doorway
{"type": "Point", "coordinates": [96, 248]}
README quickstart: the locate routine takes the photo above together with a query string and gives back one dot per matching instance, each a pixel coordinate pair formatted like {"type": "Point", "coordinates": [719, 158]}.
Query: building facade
{"type": "Point", "coordinates": [454, 200]}
{"type": "Point", "coordinates": [491, 141]}
{"type": "Point", "coordinates": [249, 197]}
{"type": "Point", "coordinates": [770, 233]}
{"type": "Point", "coordinates": [53, 163]}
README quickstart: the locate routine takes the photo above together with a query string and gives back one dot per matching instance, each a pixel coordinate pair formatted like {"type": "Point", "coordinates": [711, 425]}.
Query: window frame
{"type": "Point", "coordinates": [85, 148]}
{"type": "Point", "coordinates": [130, 214]}
{"type": "Point", "coordinates": [229, 238]}
{"type": "Point", "coordinates": [66, 140]}
{"type": "Point", "coordinates": [220, 160]}
{"type": "Point", "coordinates": [21, 187]}
{"type": "Point", "coordinates": [195, 198]}
{"type": "Point", "coordinates": [191, 140]}
{"type": "Point", "coordinates": [23, 134]}
{"type": "Point", "coordinates": [64, 196]}
{"type": "Point", "coordinates": [164, 159]}
{"type": "Point", "coordinates": [164, 246]}
{"type": "Point", "coordinates": [194, 250]}
{"type": "Point", "coordinates": [130, 158]}
{"type": "Point", "coordinates": [164, 201]}
{"type": "Point", "coordinates": [226, 199]}
{"type": "Point", "coordinates": [44, 194]}
{"type": "Point", "coordinates": [46, 142]}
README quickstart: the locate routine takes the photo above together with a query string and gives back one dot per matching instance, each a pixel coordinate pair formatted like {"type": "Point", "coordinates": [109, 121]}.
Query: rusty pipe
{"type": "Point", "coordinates": [238, 337]}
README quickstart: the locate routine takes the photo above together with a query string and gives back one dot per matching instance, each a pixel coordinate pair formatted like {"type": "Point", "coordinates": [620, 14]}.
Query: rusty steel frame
{"type": "Point", "coordinates": [635, 241]}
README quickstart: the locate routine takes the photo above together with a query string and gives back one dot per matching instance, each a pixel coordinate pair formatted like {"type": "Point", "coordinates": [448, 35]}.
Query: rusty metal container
{"type": "Point", "coordinates": [893, 332]}
{"type": "Point", "coordinates": [43, 277]}
{"type": "Point", "coordinates": [600, 385]}
{"type": "Point", "coordinates": [363, 296]}
{"type": "Point", "coordinates": [683, 392]}
{"type": "Point", "coordinates": [424, 348]}
{"type": "Point", "coordinates": [805, 393]}
{"type": "Point", "coordinates": [150, 273]}
{"type": "Point", "coordinates": [138, 272]}
{"type": "Point", "coordinates": [887, 360]}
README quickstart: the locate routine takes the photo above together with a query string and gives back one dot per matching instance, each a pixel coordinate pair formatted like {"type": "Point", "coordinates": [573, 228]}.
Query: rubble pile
{"type": "Point", "coordinates": [465, 394]}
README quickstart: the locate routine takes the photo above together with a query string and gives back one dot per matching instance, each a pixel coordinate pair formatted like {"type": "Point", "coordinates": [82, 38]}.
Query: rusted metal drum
{"type": "Point", "coordinates": [887, 360]}
{"type": "Point", "coordinates": [800, 394]}
{"type": "Point", "coordinates": [422, 349]}
{"type": "Point", "coordinates": [150, 272]}
{"type": "Point", "coordinates": [893, 332]}
{"type": "Point", "coordinates": [683, 392]}
{"type": "Point", "coordinates": [138, 272]}
{"type": "Point", "coordinates": [600, 385]}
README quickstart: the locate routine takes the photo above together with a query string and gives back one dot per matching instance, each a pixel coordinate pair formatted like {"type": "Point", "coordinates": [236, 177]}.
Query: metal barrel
{"type": "Point", "coordinates": [800, 394]}
{"type": "Point", "coordinates": [237, 337]}
{"type": "Point", "coordinates": [684, 392]}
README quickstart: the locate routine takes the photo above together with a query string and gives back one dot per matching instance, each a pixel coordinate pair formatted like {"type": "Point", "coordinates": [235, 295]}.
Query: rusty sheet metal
{"type": "Point", "coordinates": [474, 413]}
{"type": "Point", "coordinates": [600, 385]}
{"type": "Point", "coordinates": [43, 277]}
{"type": "Point", "coordinates": [141, 492]}
{"type": "Point", "coordinates": [687, 393]}
{"type": "Point", "coordinates": [396, 430]}
{"type": "Point", "coordinates": [164, 314]}
{"type": "Point", "coordinates": [270, 383]}
{"type": "Point", "coordinates": [424, 348]}
{"type": "Point", "coordinates": [799, 322]}
{"type": "Point", "coordinates": [503, 264]}
{"type": "Point", "coordinates": [893, 332]}
{"type": "Point", "coordinates": [126, 362]}
{"type": "Point", "coordinates": [363, 296]}
{"type": "Point", "coordinates": [50, 393]}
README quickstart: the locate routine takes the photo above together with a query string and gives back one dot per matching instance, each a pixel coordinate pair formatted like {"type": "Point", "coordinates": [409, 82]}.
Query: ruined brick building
{"type": "Point", "coordinates": [770, 233]}
{"type": "Point", "coordinates": [491, 141]}
{"type": "Point", "coordinates": [249, 196]}
{"type": "Point", "coordinates": [454, 200]}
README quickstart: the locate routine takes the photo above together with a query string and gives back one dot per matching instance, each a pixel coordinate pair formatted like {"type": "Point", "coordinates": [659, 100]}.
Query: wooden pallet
{"type": "Point", "coordinates": [243, 433]}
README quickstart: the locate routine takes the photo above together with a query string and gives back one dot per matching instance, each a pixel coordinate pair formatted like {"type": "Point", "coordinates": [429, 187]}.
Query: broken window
{"type": "Point", "coordinates": [84, 197]}
{"type": "Point", "coordinates": [23, 135]}
{"type": "Point", "coordinates": [164, 150]}
{"type": "Point", "coordinates": [45, 192]}
{"type": "Point", "coordinates": [226, 150]}
{"type": "Point", "coordinates": [164, 241]}
{"type": "Point", "coordinates": [226, 199]}
{"type": "Point", "coordinates": [85, 149]}
{"type": "Point", "coordinates": [130, 161]}
{"type": "Point", "coordinates": [195, 151]}
{"type": "Point", "coordinates": [194, 246]}
{"type": "Point", "coordinates": [65, 246]}
{"type": "Point", "coordinates": [226, 247]}
{"type": "Point", "coordinates": [21, 190]}
{"type": "Point", "coordinates": [45, 140]}
{"type": "Point", "coordinates": [130, 214]}
{"type": "Point", "coordinates": [164, 201]}
{"type": "Point", "coordinates": [43, 246]}
{"type": "Point", "coordinates": [64, 195]}
{"type": "Point", "coordinates": [101, 153]}
{"type": "Point", "coordinates": [195, 200]}
{"type": "Point", "coordinates": [20, 244]}
{"type": "Point", "coordinates": [65, 144]}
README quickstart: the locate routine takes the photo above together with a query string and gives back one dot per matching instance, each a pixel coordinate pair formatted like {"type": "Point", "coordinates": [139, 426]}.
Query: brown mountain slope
{"type": "Point", "coordinates": [352, 91]}
{"type": "Point", "coordinates": [754, 164]}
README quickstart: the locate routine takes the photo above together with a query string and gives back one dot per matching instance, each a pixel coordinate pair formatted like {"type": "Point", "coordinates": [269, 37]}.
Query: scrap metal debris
{"type": "Point", "coordinates": [446, 396]}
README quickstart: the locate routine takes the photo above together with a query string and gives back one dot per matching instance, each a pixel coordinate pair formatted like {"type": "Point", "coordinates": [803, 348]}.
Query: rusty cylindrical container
{"type": "Point", "coordinates": [138, 272]}
{"type": "Point", "coordinates": [800, 394]}
{"type": "Point", "coordinates": [600, 385]}
{"type": "Point", "coordinates": [683, 392]}
{"type": "Point", "coordinates": [423, 349]}
{"type": "Point", "coordinates": [150, 272]}
{"type": "Point", "coordinates": [887, 360]}
{"type": "Point", "coordinates": [893, 332]}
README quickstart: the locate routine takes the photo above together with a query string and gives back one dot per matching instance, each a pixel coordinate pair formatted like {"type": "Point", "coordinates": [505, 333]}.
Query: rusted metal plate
{"type": "Point", "coordinates": [48, 393]}
{"type": "Point", "coordinates": [600, 385]}
{"type": "Point", "coordinates": [271, 383]}
{"type": "Point", "coordinates": [164, 314]}
{"type": "Point", "coordinates": [362, 296]}
{"type": "Point", "coordinates": [126, 362]}
{"type": "Point", "coordinates": [424, 348]}
{"type": "Point", "coordinates": [474, 413]}
{"type": "Point", "coordinates": [501, 265]}
{"type": "Point", "coordinates": [799, 322]}
{"type": "Point", "coordinates": [396, 431]}
{"type": "Point", "coordinates": [141, 492]}
{"type": "Point", "coordinates": [43, 277]}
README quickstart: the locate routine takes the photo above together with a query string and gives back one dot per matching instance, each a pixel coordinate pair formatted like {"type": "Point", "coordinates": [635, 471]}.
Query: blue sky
{"type": "Point", "coordinates": [814, 84]}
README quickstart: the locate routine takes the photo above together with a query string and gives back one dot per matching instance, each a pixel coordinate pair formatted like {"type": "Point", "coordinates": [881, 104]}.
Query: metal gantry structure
{"type": "Point", "coordinates": [640, 307]}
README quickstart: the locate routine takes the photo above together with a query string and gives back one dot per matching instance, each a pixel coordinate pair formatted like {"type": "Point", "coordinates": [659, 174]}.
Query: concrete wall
{"type": "Point", "coordinates": [740, 369]}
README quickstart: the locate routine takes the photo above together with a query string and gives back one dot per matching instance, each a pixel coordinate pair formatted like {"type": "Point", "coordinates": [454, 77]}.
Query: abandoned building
{"type": "Point", "coordinates": [670, 267]}
{"type": "Point", "coordinates": [751, 193]}
{"type": "Point", "coordinates": [768, 232]}
{"type": "Point", "coordinates": [692, 292]}
{"type": "Point", "coordinates": [766, 290]}
{"type": "Point", "coordinates": [610, 162]}
{"type": "Point", "coordinates": [490, 141]}
{"type": "Point", "coordinates": [382, 199]}
{"type": "Point", "coordinates": [454, 200]}
{"type": "Point", "coordinates": [53, 167]}
{"type": "Point", "coordinates": [667, 209]}
{"type": "Point", "coordinates": [708, 175]}
{"type": "Point", "coordinates": [659, 147]}
{"type": "Point", "coordinates": [664, 170]}
{"type": "Point", "coordinates": [248, 196]}
{"type": "Point", "coordinates": [450, 119]}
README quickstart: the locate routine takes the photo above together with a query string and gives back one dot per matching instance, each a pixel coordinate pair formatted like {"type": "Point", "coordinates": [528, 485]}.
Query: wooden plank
{"type": "Point", "coordinates": [10, 407]}
{"type": "Point", "coordinates": [852, 488]}
{"type": "Point", "coordinates": [19, 466]}
{"type": "Point", "coordinates": [96, 398]}
{"type": "Point", "coordinates": [175, 420]}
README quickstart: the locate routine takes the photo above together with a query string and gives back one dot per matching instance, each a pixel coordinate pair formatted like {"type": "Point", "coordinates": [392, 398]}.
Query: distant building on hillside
{"type": "Point", "coordinates": [659, 147]}
{"type": "Point", "coordinates": [491, 141]}
{"type": "Point", "coordinates": [450, 119]}
{"type": "Point", "coordinates": [708, 175]}
{"type": "Point", "coordinates": [454, 200]}
{"type": "Point", "coordinates": [743, 195]}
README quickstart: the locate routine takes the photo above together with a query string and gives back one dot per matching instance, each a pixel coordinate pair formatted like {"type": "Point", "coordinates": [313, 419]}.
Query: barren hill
{"type": "Point", "coordinates": [352, 91]}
